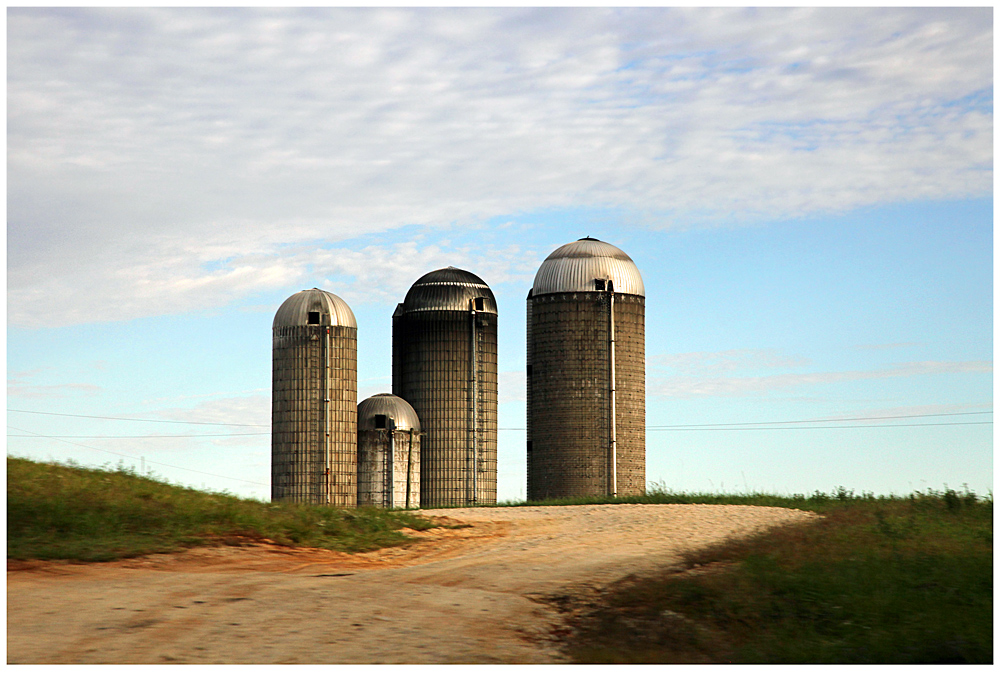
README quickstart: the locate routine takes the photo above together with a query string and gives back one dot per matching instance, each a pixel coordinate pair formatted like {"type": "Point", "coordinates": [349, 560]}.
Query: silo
{"type": "Point", "coordinates": [388, 453]}
{"type": "Point", "coordinates": [444, 363]}
{"type": "Point", "coordinates": [314, 433]}
{"type": "Point", "coordinates": [586, 374]}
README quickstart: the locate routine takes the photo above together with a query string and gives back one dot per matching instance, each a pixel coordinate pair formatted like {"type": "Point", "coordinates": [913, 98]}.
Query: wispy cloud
{"type": "Point", "coordinates": [253, 409]}
{"type": "Point", "coordinates": [725, 373]}
{"type": "Point", "coordinates": [886, 346]}
{"type": "Point", "coordinates": [728, 361]}
{"type": "Point", "coordinates": [511, 386]}
{"type": "Point", "coordinates": [21, 386]}
{"type": "Point", "coordinates": [171, 285]}
{"type": "Point", "coordinates": [170, 159]}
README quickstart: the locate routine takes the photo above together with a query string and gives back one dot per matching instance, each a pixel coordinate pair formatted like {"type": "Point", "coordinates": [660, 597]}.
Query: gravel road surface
{"type": "Point", "coordinates": [463, 595]}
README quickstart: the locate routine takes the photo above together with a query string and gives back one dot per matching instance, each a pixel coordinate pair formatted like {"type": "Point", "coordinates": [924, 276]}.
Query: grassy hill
{"type": "Point", "coordinates": [76, 513]}
{"type": "Point", "coordinates": [876, 580]}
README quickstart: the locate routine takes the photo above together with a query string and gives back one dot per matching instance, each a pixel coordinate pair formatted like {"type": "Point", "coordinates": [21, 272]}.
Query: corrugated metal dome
{"type": "Point", "coordinates": [448, 289]}
{"type": "Point", "coordinates": [331, 309]}
{"type": "Point", "coordinates": [572, 268]}
{"type": "Point", "coordinates": [387, 405]}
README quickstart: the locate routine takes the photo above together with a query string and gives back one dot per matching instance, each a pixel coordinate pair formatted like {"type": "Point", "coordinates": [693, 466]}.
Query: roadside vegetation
{"type": "Point", "coordinates": [70, 512]}
{"type": "Point", "coordinates": [875, 580]}
{"type": "Point", "coordinates": [659, 495]}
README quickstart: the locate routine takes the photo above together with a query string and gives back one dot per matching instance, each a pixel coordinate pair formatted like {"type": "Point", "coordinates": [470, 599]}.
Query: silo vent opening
{"type": "Point", "coordinates": [480, 304]}
{"type": "Point", "coordinates": [380, 423]}
{"type": "Point", "coordinates": [313, 317]}
{"type": "Point", "coordinates": [600, 284]}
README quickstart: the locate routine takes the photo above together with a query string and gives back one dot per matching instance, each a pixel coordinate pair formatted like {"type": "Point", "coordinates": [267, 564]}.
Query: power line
{"type": "Point", "coordinates": [124, 455]}
{"type": "Point", "coordinates": [751, 425]}
{"type": "Point", "coordinates": [143, 436]}
{"type": "Point", "coordinates": [819, 427]}
{"type": "Point", "coordinates": [708, 427]}
{"type": "Point", "coordinates": [703, 428]}
{"type": "Point", "coordinates": [138, 420]}
{"type": "Point", "coordinates": [824, 420]}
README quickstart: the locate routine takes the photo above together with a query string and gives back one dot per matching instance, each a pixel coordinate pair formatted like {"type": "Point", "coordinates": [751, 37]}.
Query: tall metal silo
{"type": "Point", "coordinates": [314, 432]}
{"type": "Point", "coordinates": [444, 363]}
{"type": "Point", "coordinates": [388, 453]}
{"type": "Point", "coordinates": [586, 374]}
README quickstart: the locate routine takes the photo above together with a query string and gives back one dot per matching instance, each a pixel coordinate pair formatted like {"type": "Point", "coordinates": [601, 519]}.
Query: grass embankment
{"type": "Point", "coordinates": [76, 513]}
{"type": "Point", "coordinates": [876, 580]}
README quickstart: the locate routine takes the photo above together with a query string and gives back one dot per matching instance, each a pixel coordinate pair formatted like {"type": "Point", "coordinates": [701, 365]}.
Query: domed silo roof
{"type": "Point", "coordinates": [572, 268]}
{"type": "Point", "coordinates": [331, 310]}
{"type": "Point", "coordinates": [390, 405]}
{"type": "Point", "coordinates": [448, 289]}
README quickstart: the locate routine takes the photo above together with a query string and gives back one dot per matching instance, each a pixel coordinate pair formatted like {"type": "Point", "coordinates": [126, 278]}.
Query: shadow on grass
{"type": "Point", "coordinates": [876, 580]}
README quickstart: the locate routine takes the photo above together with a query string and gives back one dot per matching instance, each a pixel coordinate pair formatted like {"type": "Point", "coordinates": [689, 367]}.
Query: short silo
{"type": "Point", "coordinates": [314, 433]}
{"type": "Point", "coordinates": [388, 453]}
{"type": "Point", "coordinates": [444, 363]}
{"type": "Point", "coordinates": [586, 374]}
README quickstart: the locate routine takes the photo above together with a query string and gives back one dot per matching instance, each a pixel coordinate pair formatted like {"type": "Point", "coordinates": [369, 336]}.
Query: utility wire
{"type": "Point", "coordinates": [139, 420]}
{"type": "Point", "coordinates": [654, 428]}
{"type": "Point", "coordinates": [826, 420]}
{"type": "Point", "coordinates": [123, 455]}
{"type": "Point", "coordinates": [820, 427]}
{"type": "Point", "coordinates": [143, 436]}
{"type": "Point", "coordinates": [750, 426]}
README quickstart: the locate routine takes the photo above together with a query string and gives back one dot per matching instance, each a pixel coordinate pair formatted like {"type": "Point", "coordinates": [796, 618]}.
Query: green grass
{"type": "Point", "coordinates": [73, 513]}
{"type": "Point", "coordinates": [659, 496]}
{"type": "Point", "coordinates": [876, 580]}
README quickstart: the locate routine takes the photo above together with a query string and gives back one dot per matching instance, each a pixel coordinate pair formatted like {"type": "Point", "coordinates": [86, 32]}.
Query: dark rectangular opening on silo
{"type": "Point", "coordinates": [380, 423]}
{"type": "Point", "coordinates": [529, 445]}
{"type": "Point", "coordinates": [480, 304]}
{"type": "Point", "coordinates": [599, 284]}
{"type": "Point", "coordinates": [529, 369]}
{"type": "Point", "coordinates": [313, 317]}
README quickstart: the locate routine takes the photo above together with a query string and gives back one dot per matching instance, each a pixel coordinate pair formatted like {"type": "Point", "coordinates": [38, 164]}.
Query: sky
{"type": "Point", "coordinates": [807, 193]}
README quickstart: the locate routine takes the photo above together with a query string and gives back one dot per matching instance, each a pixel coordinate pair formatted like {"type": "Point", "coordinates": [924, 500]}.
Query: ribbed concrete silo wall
{"type": "Point", "coordinates": [375, 477]}
{"type": "Point", "coordinates": [314, 415]}
{"type": "Point", "coordinates": [569, 399]}
{"type": "Point", "coordinates": [433, 372]}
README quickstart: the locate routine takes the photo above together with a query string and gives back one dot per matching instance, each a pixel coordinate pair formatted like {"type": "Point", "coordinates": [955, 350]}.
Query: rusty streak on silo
{"type": "Point", "coordinates": [586, 374]}
{"type": "Point", "coordinates": [444, 363]}
{"type": "Point", "coordinates": [314, 386]}
{"type": "Point", "coordinates": [388, 453]}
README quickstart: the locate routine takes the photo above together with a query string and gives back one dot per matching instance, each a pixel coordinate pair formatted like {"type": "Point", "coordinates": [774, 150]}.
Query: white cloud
{"type": "Point", "coordinates": [24, 385]}
{"type": "Point", "coordinates": [22, 389]}
{"type": "Point", "coordinates": [727, 361]}
{"type": "Point", "coordinates": [252, 409]}
{"type": "Point", "coordinates": [174, 284]}
{"type": "Point", "coordinates": [512, 386]}
{"type": "Point", "coordinates": [147, 146]}
{"type": "Point", "coordinates": [702, 378]}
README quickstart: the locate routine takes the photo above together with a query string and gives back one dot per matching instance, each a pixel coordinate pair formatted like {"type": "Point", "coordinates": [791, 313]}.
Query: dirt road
{"type": "Point", "coordinates": [467, 595]}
